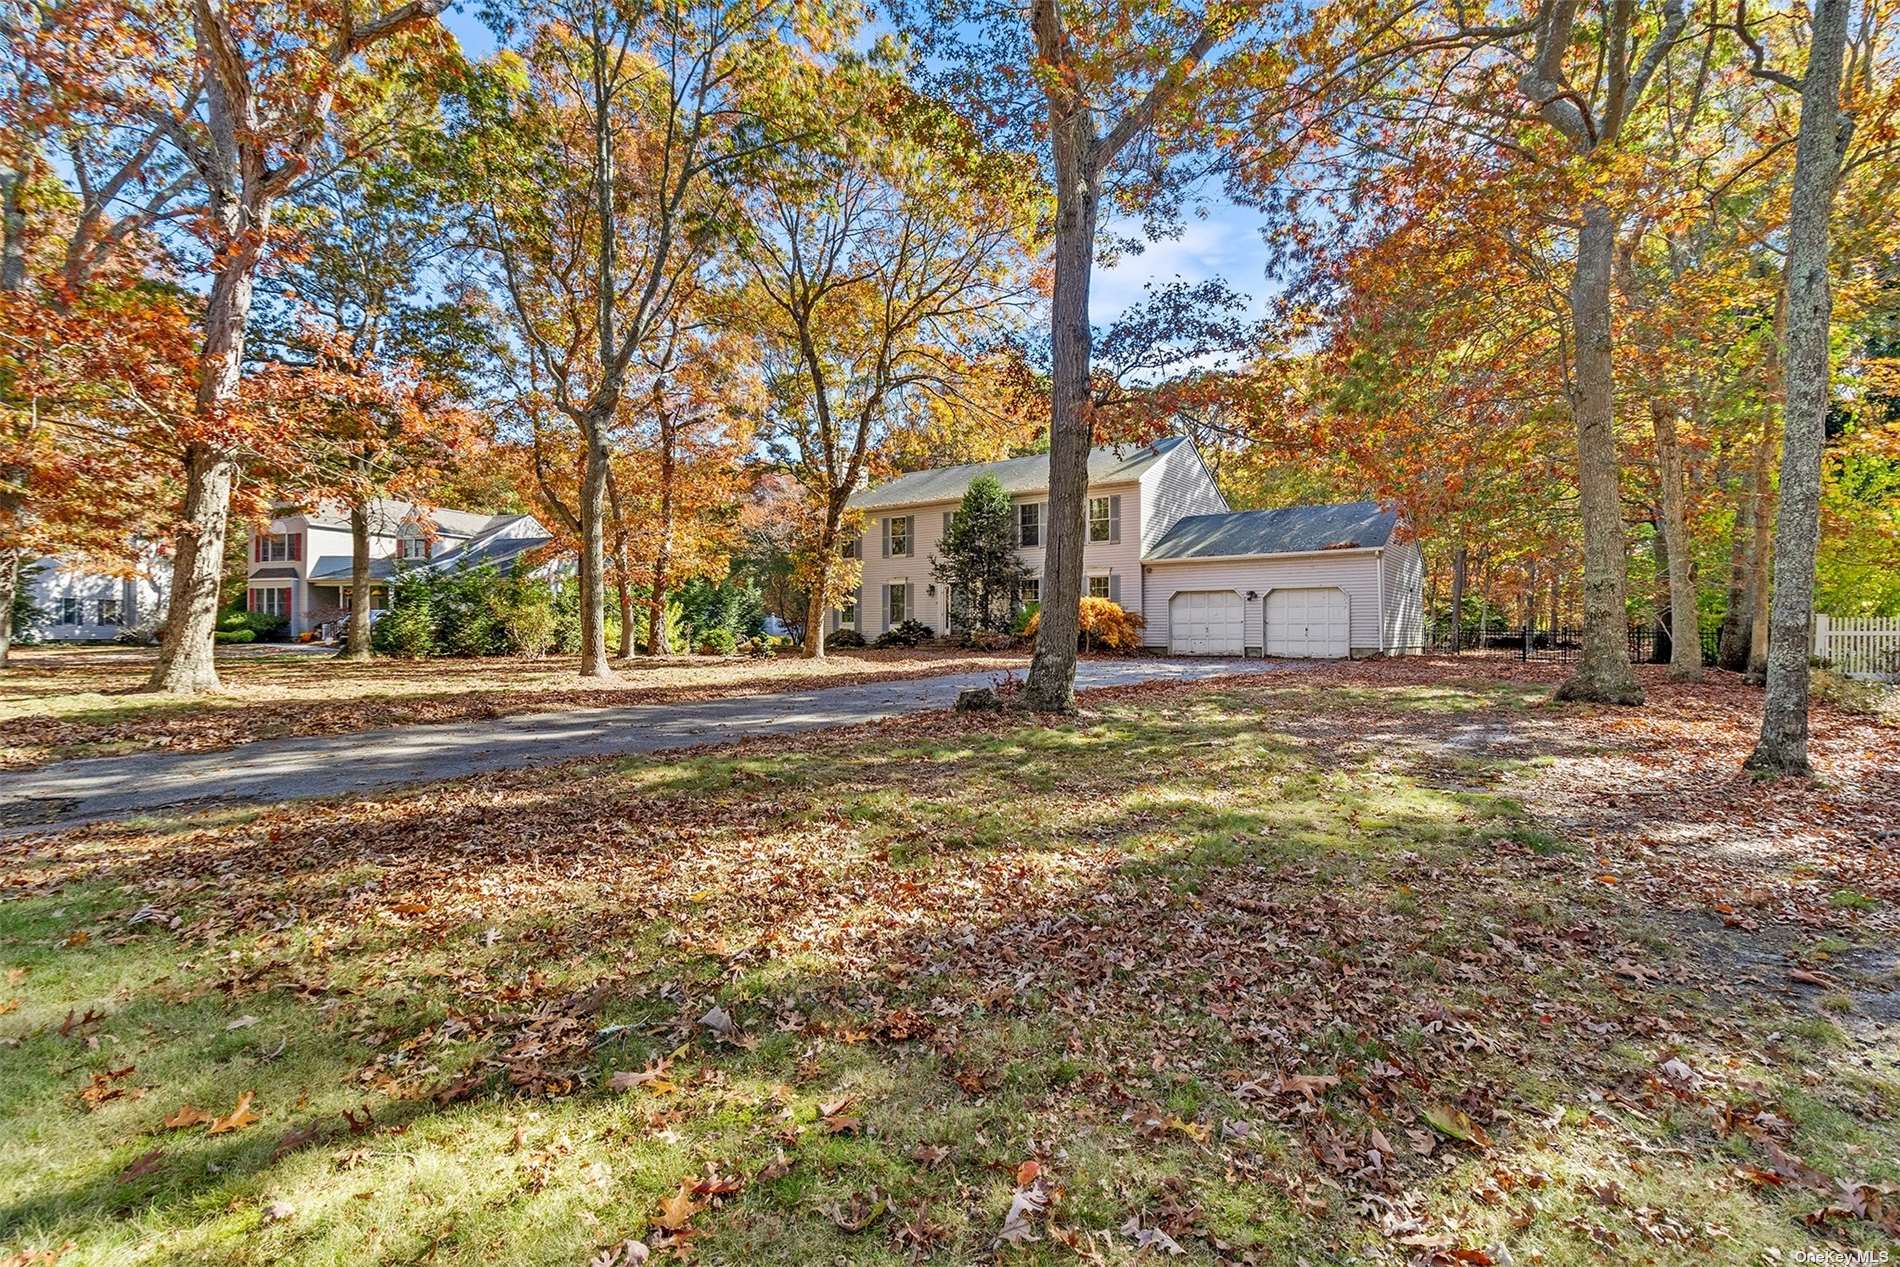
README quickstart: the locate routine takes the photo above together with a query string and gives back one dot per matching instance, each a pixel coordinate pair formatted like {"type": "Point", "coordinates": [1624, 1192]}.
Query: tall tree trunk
{"type": "Point", "coordinates": [813, 647]}
{"type": "Point", "coordinates": [594, 554]}
{"type": "Point", "coordinates": [185, 665]}
{"type": "Point", "coordinates": [1460, 568]}
{"type": "Point", "coordinates": [9, 590]}
{"type": "Point", "coordinates": [1556, 597]}
{"type": "Point", "coordinates": [1685, 624]}
{"type": "Point", "coordinates": [1051, 684]}
{"type": "Point", "coordinates": [663, 556]}
{"type": "Point", "coordinates": [1603, 672]}
{"type": "Point", "coordinates": [1733, 652]}
{"type": "Point", "coordinates": [13, 227]}
{"type": "Point", "coordinates": [623, 596]}
{"type": "Point", "coordinates": [1818, 149]}
{"type": "Point", "coordinates": [1760, 546]}
{"type": "Point", "coordinates": [356, 632]}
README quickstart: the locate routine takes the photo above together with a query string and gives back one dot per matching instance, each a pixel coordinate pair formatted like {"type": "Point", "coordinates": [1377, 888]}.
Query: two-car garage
{"type": "Point", "coordinates": [1309, 582]}
{"type": "Point", "coordinates": [1300, 622]}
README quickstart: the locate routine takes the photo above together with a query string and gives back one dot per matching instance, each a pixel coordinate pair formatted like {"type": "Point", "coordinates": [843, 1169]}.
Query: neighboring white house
{"type": "Point", "coordinates": [300, 562]}
{"type": "Point", "coordinates": [1160, 540]}
{"type": "Point", "coordinates": [78, 602]}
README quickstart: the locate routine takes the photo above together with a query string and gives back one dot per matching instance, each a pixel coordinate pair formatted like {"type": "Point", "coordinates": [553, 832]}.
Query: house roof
{"type": "Point", "coordinates": [1108, 464]}
{"type": "Point", "coordinates": [387, 515]}
{"type": "Point", "coordinates": [1289, 530]}
{"type": "Point", "coordinates": [274, 574]}
{"type": "Point", "coordinates": [509, 538]}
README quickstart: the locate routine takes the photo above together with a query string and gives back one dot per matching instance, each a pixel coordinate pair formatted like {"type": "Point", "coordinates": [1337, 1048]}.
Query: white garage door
{"type": "Point", "coordinates": [1206, 622]}
{"type": "Point", "coordinates": [1308, 622]}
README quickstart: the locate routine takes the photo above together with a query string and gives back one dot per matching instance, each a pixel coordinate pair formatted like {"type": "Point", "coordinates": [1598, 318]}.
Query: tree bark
{"type": "Point", "coordinates": [1460, 567]}
{"type": "Point", "coordinates": [9, 590]}
{"type": "Point", "coordinates": [663, 555]}
{"type": "Point", "coordinates": [1603, 672]}
{"type": "Point", "coordinates": [185, 665]}
{"type": "Point", "coordinates": [1761, 552]}
{"type": "Point", "coordinates": [1822, 139]}
{"type": "Point", "coordinates": [593, 555]}
{"type": "Point", "coordinates": [357, 631]}
{"type": "Point", "coordinates": [1051, 684]}
{"type": "Point", "coordinates": [1733, 653]}
{"type": "Point", "coordinates": [813, 647]}
{"type": "Point", "coordinates": [1685, 624]}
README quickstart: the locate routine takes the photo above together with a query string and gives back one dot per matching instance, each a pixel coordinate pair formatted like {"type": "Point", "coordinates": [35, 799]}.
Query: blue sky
{"type": "Point", "coordinates": [1225, 242]}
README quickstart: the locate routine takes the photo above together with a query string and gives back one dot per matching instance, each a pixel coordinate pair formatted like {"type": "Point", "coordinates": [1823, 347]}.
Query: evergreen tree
{"type": "Point", "coordinates": [978, 560]}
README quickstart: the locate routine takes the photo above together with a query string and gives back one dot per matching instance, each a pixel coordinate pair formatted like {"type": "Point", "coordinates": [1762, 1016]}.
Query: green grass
{"type": "Point", "coordinates": [1205, 895]}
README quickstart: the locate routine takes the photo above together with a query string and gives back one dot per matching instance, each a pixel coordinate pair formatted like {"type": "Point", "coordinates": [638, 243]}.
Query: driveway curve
{"type": "Point", "coordinates": [74, 792]}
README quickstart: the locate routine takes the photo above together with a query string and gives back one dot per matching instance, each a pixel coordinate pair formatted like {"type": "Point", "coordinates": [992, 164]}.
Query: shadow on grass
{"type": "Point", "coordinates": [1002, 941]}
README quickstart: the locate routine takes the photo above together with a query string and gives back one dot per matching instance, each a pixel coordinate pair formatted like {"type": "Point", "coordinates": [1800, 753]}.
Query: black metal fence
{"type": "Point", "coordinates": [1563, 644]}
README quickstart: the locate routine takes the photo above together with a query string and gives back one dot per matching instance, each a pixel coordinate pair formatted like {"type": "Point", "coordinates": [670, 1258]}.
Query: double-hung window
{"type": "Point", "coordinates": [899, 530]}
{"type": "Point", "coordinates": [1098, 519]}
{"type": "Point", "coordinates": [1098, 585]}
{"type": "Point", "coordinates": [111, 611]}
{"type": "Point", "coordinates": [1029, 589]}
{"type": "Point", "coordinates": [71, 611]}
{"type": "Point", "coordinates": [413, 545]}
{"type": "Point", "coordinates": [1029, 524]}
{"type": "Point", "coordinates": [900, 610]}
{"type": "Point", "coordinates": [274, 547]}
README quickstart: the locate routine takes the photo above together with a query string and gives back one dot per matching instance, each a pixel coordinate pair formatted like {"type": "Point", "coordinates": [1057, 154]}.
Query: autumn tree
{"type": "Point", "coordinates": [875, 269]}
{"type": "Point", "coordinates": [381, 359]}
{"type": "Point", "coordinates": [605, 146]}
{"type": "Point", "coordinates": [248, 127]}
{"type": "Point", "coordinates": [1823, 138]}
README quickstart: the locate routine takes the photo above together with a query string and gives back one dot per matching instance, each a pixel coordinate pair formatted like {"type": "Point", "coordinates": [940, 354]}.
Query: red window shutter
{"type": "Point", "coordinates": [257, 547]}
{"type": "Point", "coordinates": [250, 600]}
{"type": "Point", "coordinates": [296, 547]}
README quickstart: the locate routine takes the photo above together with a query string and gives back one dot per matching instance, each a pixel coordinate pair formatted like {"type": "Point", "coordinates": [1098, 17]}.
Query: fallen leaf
{"type": "Point", "coordinates": [188, 1115]}
{"type": "Point", "coordinates": [1456, 1123]}
{"type": "Point", "coordinates": [242, 1022]}
{"type": "Point", "coordinates": [238, 1118]}
{"type": "Point", "coordinates": [142, 1166]}
{"type": "Point", "coordinates": [678, 1210]}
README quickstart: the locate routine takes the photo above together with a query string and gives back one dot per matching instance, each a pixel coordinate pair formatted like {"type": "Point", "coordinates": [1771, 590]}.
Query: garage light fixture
{"type": "Point", "coordinates": [1251, 596]}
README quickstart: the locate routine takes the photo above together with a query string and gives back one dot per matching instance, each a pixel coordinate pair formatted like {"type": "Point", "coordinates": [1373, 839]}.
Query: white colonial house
{"type": "Point", "coordinates": [1329, 581]}
{"type": "Point", "coordinates": [299, 563]}
{"type": "Point", "coordinates": [76, 601]}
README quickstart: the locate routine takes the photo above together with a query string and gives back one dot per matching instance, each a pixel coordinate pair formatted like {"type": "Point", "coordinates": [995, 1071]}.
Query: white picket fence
{"type": "Point", "coordinates": [1860, 646]}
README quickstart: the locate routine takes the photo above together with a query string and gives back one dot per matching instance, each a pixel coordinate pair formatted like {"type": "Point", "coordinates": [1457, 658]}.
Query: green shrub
{"type": "Point", "coordinates": [717, 641]}
{"type": "Point", "coordinates": [1024, 619]}
{"type": "Point", "coordinates": [844, 639]}
{"type": "Point", "coordinates": [257, 624]}
{"type": "Point", "coordinates": [529, 622]}
{"type": "Point", "coordinates": [233, 635]}
{"type": "Point", "coordinates": [908, 634]}
{"type": "Point", "coordinates": [406, 628]}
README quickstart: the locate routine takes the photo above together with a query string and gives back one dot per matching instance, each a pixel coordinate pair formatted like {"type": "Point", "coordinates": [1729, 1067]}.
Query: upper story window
{"type": "Point", "coordinates": [1029, 524]}
{"type": "Point", "coordinates": [413, 545]}
{"type": "Point", "coordinates": [853, 547]}
{"type": "Point", "coordinates": [275, 547]}
{"type": "Point", "coordinates": [898, 531]}
{"type": "Point", "coordinates": [1098, 519]}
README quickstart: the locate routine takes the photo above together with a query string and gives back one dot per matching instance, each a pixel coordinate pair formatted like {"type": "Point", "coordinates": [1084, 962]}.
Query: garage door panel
{"type": "Point", "coordinates": [1206, 622]}
{"type": "Point", "coordinates": [1308, 623]}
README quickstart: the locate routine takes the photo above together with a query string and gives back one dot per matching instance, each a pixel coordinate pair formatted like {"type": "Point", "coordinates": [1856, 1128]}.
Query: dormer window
{"type": "Point", "coordinates": [413, 545]}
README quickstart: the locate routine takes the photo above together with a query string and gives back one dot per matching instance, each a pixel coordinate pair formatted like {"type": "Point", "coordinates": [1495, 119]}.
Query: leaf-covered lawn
{"type": "Point", "coordinates": [1382, 963]}
{"type": "Point", "coordinates": [57, 703]}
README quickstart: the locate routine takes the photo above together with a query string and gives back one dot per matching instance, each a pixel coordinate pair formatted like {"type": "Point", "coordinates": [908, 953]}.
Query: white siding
{"type": "Point", "coordinates": [1357, 573]}
{"type": "Point", "coordinates": [141, 600]}
{"type": "Point", "coordinates": [1402, 581]}
{"type": "Point", "coordinates": [1121, 559]}
{"type": "Point", "coordinates": [1174, 488]}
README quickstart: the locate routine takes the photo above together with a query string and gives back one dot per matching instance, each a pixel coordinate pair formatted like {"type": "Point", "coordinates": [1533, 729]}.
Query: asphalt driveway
{"type": "Point", "coordinates": [73, 792]}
